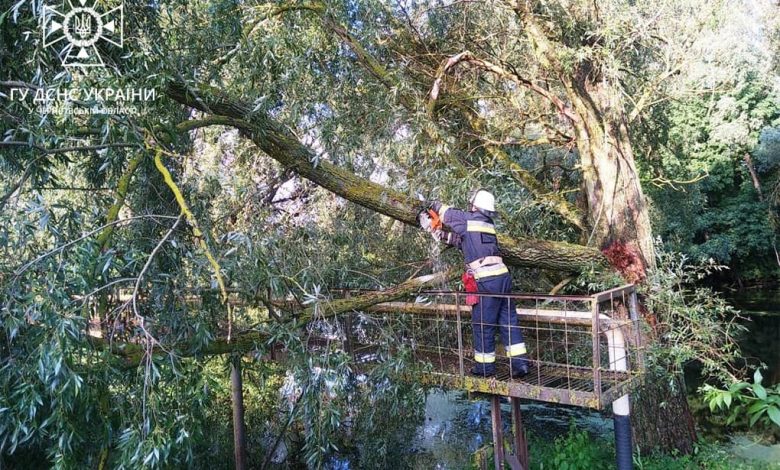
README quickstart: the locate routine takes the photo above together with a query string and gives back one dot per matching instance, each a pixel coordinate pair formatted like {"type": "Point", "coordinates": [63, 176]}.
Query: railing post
{"type": "Point", "coordinates": [460, 336]}
{"type": "Point", "coordinates": [633, 312]}
{"type": "Point", "coordinates": [595, 331]}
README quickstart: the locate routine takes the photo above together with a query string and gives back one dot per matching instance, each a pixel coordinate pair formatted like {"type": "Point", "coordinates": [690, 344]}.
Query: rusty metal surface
{"type": "Point", "coordinates": [518, 431]}
{"type": "Point", "coordinates": [498, 432]}
{"type": "Point", "coordinates": [614, 293]}
{"type": "Point", "coordinates": [549, 383]}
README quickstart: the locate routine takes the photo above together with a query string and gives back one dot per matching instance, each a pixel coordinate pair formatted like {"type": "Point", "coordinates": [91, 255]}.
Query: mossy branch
{"type": "Point", "coordinates": [248, 340]}
{"type": "Point", "coordinates": [122, 189]}
{"type": "Point", "coordinates": [201, 240]}
{"type": "Point", "coordinates": [278, 142]}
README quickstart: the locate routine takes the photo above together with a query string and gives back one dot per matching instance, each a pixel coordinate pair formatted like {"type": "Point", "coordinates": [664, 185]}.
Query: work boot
{"type": "Point", "coordinates": [483, 370]}
{"type": "Point", "coordinates": [520, 367]}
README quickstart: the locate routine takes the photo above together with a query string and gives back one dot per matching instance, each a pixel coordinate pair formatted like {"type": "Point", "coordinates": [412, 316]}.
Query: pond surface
{"type": "Point", "coordinates": [456, 426]}
{"type": "Point", "coordinates": [761, 309]}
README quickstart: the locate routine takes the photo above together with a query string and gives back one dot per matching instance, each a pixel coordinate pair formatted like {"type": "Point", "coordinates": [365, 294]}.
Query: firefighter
{"type": "Point", "coordinates": [474, 234]}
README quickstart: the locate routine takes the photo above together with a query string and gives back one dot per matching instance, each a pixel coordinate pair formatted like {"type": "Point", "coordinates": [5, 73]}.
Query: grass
{"type": "Point", "coordinates": [577, 450]}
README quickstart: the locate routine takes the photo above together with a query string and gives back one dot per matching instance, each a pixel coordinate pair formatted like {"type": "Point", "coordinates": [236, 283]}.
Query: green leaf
{"type": "Point", "coordinates": [718, 400]}
{"type": "Point", "coordinates": [756, 417]}
{"type": "Point", "coordinates": [757, 377]}
{"type": "Point", "coordinates": [727, 399]}
{"type": "Point", "coordinates": [774, 414]}
{"type": "Point", "coordinates": [759, 391]}
{"type": "Point", "coordinates": [756, 407]}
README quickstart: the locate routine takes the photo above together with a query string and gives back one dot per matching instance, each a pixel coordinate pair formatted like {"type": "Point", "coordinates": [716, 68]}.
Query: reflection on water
{"type": "Point", "coordinates": [747, 447]}
{"type": "Point", "coordinates": [762, 340]}
{"type": "Point", "coordinates": [455, 427]}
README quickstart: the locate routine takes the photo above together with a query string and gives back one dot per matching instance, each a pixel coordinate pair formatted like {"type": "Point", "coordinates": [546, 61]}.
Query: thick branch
{"type": "Point", "coordinates": [408, 101]}
{"type": "Point", "coordinates": [552, 199]}
{"type": "Point", "coordinates": [246, 341]}
{"type": "Point", "coordinates": [644, 101]}
{"type": "Point", "coordinates": [369, 62]}
{"type": "Point", "coordinates": [192, 124]}
{"type": "Point", "coordinates": [281, 144]}
{"type": "Point", "coordinates": [502, 73]}
{"type": "Point", "coordinates": [50, 151]}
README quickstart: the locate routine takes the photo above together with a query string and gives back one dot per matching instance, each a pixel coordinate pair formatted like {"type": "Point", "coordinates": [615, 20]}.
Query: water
{"type": "Point", "coordinates": [455, 427]}
{"type": "Point", "coordinates": [762, 340]}
{"type": "Point", "coordinates": [761, 343]}
{"type": "Point", "coordinates": [760, 310]}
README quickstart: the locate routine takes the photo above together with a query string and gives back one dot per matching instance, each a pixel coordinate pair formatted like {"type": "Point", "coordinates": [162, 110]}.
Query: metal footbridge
{"type": "Point", "coordinates": [584, 351]}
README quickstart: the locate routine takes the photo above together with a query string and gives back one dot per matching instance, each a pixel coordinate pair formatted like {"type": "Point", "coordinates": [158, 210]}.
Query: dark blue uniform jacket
{"type": "Point", "coordinates": [472, 232]}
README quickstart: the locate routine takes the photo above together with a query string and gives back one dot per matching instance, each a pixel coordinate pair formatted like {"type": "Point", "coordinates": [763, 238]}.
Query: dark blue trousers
{"type": "Point", "coordinates": [492, 312]}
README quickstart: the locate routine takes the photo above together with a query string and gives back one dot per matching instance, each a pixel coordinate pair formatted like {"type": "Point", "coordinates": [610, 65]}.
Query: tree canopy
{"type": "Point", "coordinates": [301, 137]}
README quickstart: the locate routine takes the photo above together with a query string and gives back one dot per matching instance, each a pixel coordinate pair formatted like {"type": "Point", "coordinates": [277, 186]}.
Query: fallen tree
{"type": "Point", "coordinates": [248, 340]}
{"type": "Point", "coordinates": [280, 143]}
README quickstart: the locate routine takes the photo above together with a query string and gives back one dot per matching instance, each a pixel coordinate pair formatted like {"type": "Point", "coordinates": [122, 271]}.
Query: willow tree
{"type": "Point", "coordinates": [483, 84]}
{"type": "Point", "coordinates": [373, 102]}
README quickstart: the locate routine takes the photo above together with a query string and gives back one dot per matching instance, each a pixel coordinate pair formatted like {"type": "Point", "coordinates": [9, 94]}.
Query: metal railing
{"type": "Point", "coordinates": [583, 350]}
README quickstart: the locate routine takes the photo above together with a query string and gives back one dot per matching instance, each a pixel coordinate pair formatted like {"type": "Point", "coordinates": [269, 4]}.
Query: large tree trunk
{"type": "Point", "coordinates": [661, 418]}
{"type": "Point", "coordinates": [617, 208]}
{"type": "Point", "coordinates": [618, 214]}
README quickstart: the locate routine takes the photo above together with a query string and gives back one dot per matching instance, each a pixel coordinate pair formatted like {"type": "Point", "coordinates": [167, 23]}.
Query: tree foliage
{"type": "Point", "coordinates": [92, 243]}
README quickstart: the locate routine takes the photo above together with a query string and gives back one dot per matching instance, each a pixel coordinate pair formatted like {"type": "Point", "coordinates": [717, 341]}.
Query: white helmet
{"type": "Point", "coordinates": [484, 200]}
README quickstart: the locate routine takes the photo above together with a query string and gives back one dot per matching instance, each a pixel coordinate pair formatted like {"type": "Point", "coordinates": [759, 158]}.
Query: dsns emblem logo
{"type": "Point", "coordinates": [77, 30]}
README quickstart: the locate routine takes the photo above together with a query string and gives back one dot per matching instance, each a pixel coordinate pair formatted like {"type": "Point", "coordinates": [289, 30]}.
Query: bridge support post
{"type": "Point", "coordinates": [518, 460]}
{"type": "Point", "coordinates": [623, 445]}
{"type": "Point", "coordinates": [521, 445]}
{"type": "Point", "coordinates": [498, 432]}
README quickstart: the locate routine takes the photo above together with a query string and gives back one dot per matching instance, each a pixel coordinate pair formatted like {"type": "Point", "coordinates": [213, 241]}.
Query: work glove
{"type": "Point", "coordinates": [449, 238]}
{"type": "Point", "coordinates": [424, 220]}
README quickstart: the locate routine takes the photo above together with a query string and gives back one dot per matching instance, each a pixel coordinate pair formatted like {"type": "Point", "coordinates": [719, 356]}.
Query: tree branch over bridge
{"type": "Point", "coordinates": [279, 143]}
{"type": "Point", "coordinates": [248, 340]}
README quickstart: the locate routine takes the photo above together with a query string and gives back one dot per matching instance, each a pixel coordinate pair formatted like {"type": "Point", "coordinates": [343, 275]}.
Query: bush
{"type": "Point", "coordinates": [577, 450]}
{"type": "Point", "coordinates": [752, 403]}
{"type": "Point", "coordinates": [691, 323]}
